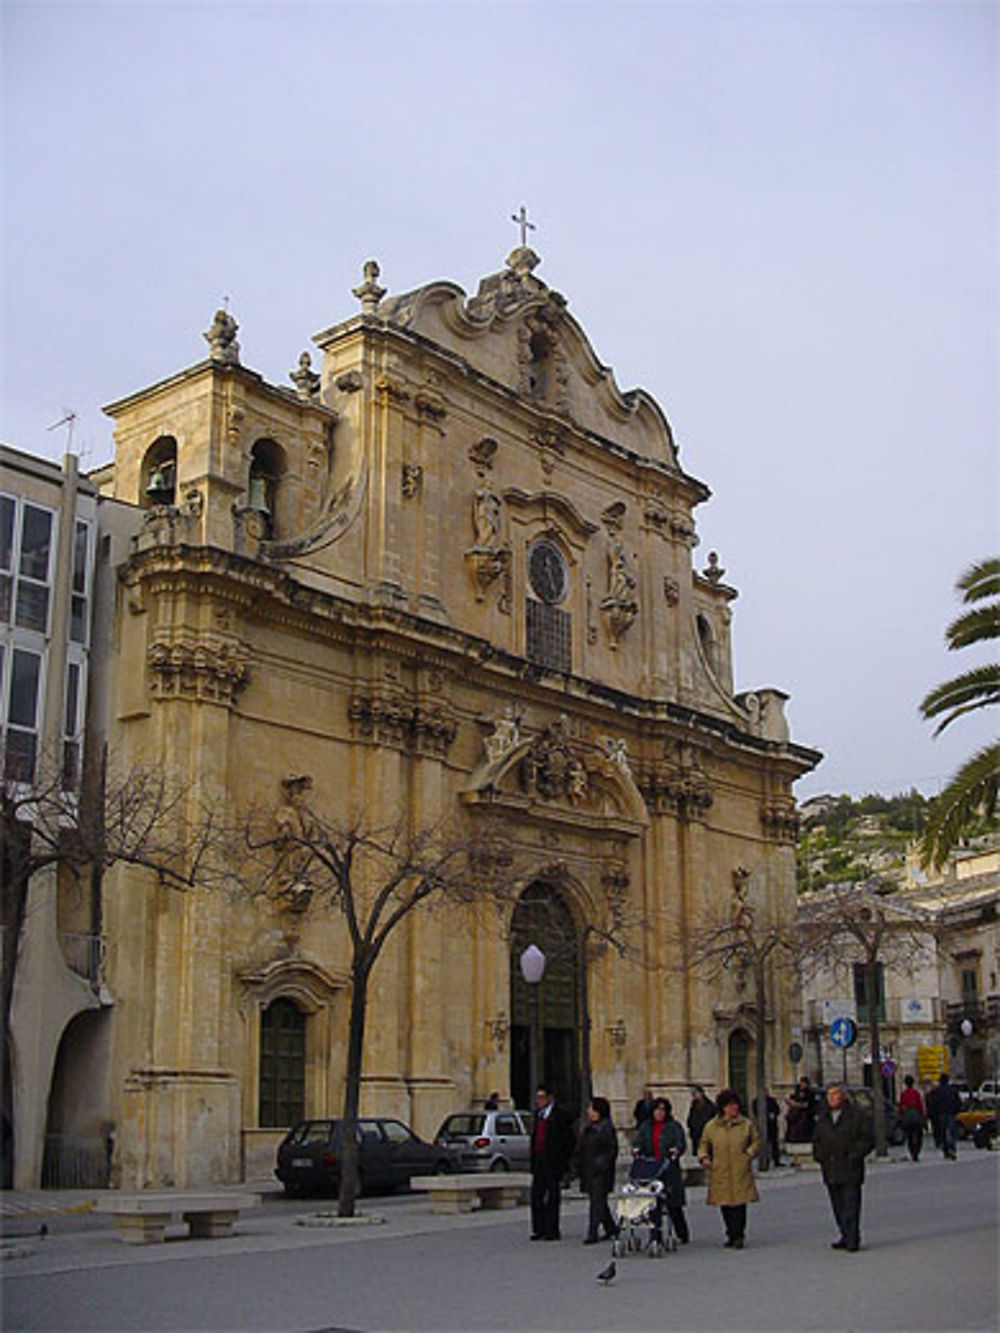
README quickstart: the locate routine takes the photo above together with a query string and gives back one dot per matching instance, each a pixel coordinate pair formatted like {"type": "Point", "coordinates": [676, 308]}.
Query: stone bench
{"type": "Point", "coordinates": [461, 1193]}
{"type": "Point", "coordinates": [141, 1219]}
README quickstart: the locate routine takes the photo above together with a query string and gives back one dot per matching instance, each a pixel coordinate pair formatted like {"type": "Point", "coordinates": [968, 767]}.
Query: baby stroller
{"type": "Point", "coordinates": [644, 1224]}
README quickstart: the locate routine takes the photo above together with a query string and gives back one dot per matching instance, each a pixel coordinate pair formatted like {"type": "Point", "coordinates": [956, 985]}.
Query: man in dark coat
{"type": "Point", "coordinates": [842, 1140]}
{"type": "Point", "coordinates": [943, 1105]}
{"type": "Point", "coordinates": [552, 1144]}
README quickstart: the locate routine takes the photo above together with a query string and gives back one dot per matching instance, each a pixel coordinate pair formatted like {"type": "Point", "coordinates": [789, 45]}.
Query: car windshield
{"type": "Point", "coordinates": [457, 1125]}
{"type": "Point", "coordinates": [313, 1131]}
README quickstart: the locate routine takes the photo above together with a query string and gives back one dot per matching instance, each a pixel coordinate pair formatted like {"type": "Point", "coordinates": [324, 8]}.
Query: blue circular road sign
{"type": "Point", "coordinates": [843, 1032]}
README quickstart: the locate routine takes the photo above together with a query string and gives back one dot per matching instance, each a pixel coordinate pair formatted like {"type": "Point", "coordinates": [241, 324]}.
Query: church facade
{"type": "Point", "coordinates": [448, 573]}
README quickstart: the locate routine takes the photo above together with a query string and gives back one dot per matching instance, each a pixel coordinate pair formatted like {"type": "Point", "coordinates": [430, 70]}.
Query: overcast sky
{"type": "Point", "coordinates": [780, 219]}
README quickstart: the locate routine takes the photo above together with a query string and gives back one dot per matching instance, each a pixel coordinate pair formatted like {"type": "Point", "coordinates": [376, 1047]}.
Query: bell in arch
{"type": "Point", "coordinates": [257, 497]}
{"type": "Point", "coordinates": [160, 489]}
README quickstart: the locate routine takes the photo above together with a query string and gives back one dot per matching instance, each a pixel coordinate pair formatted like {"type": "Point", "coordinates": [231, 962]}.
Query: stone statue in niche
{"type": "Point", "coordinates": [621, 580]}
{"type": "Point", "coordinates": [486, 517]}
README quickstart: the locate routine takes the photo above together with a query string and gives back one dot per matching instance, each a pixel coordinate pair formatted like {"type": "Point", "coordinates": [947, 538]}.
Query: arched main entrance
{"type": "Point", "coordinates": [543, 918]}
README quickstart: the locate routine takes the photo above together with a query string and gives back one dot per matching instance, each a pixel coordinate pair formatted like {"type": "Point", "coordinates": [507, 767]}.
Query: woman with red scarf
{"type": "Point", "coordinates": [662, 1138]}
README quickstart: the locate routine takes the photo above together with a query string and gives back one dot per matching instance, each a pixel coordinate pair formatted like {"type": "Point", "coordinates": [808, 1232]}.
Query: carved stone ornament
{"type": "Point", "coordinates": [671, 590]}
{"type": "Point", "coordinates": [349, 382]}
{"type": "Point", "coordinates": [430, 405]}
{"type": "Point", "coordinates": [678, 789]}
{"type": "Point", "coordinates": [553, 769]}
{"type": "Point", "coordinates": [487, 564]}
{"type": "Point", "coordinates": [369, 293]}
{"type": "Point", "coordinates": [780, 819]}
{"type": "Point", "coordinates": [305, 379]}
{"type": "Point", "coordinates": [482, 454]}
{"type": "Point", "coordinates": [193, 669]}
{"type": "Point", "coordinates": [413, 476]}
{"type": "Point", "coordinates": [620, 607]}
{"type": "Point", "coordinates": [616, 750]}
{"type": "Point", "coordinates": [713, 571]}
{"type": "Point", "coordinates": [506, 736]}
{"type": "Point", "coordinates": [221, 338]}
{"type": "Point", "coordinates": [393, 718]}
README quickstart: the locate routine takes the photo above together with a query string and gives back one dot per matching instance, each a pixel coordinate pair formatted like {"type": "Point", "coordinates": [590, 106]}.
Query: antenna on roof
{"type": "Point", "coordinates": [68, 419]}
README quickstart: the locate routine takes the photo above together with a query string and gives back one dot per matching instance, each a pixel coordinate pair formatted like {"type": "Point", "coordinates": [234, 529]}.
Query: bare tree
{"type": "Point", "coordinates": [866, 924]}
{"type": "Point", "coordinates": [739, 941]}
{"type": "Point", "coordinates": [376, 877]}
{"type": "Point", "coordinates": [135, 816]}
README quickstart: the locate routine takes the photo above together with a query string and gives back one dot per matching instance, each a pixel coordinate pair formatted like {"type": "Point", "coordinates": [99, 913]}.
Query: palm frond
{"type": "Point", "coordinates": [972, 791]}
{"type": "Point", "coordinates": [975, 626]}
{"type": "Point", "coordinates": [974, 689]}
{"type": "Point", "coordinates": [981, 580]}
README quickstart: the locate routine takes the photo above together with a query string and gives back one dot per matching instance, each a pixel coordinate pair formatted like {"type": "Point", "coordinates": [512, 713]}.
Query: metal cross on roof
{"type": "Point", "coordinates": [521, 218]}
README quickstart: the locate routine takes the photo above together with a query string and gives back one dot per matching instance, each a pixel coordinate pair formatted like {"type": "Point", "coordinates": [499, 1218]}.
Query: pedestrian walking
{"type": "Point", "coordinates": [643, 1109]}
{"type": "Point", "coordinates": [944, 1104]}
{"type": "Point", "coordinates": [597, 1154]}
{"type": "Point", "coordinates": [700, 1112]}
{"type": "Point", "coordinates": [662, 1139]}
{"type": "Point", "coordinates": [801, 1113]}
{"type": "Point", "coordinates": [729, 1143]}
{"type": "Point", "coordinates": [842, 1140]}
{"type": "Point", "coordinates": [773, 1112]}
{"type": "Point", "coordinates": [552, 1143]}
{"type": "Point", "coordinates": [912, 1114]}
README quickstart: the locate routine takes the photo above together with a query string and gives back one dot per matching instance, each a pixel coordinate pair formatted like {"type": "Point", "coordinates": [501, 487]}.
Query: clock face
{"type": "Point", "coordinates": [547, 572]}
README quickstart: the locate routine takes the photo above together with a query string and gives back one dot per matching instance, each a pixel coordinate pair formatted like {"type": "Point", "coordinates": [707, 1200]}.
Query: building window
{"type": "Point", "coordinates": [548, 633]}
{"type": "Point", "coordinates": [80, 591]}
{"type": "Point", "coordinates": [970, 985]}
{"type": "Point", "coordinates": [26, 545]}
{"type": "Point", "coordinates": [282, 1065]}
{"type": "Point", "coordinates": [21, 698]}
{"type": "Point", "coordinates": [861, 992]}
{"type": "Point", "coordinates": [72, 727]}
{"type": "Point", "coordinates": [266, 467]}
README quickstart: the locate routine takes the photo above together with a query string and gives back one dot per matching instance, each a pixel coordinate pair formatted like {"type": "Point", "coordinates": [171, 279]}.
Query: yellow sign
{"type": "Point", "coordinates": [932, 1061]}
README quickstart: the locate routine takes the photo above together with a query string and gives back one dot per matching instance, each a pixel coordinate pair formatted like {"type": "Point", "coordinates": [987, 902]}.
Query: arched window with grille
{"type": "Point", "coordinates": [282, 1065]}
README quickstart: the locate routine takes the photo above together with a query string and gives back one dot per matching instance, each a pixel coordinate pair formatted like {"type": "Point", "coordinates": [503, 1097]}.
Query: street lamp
{"type": "Point", "coordinates": [532, 969]}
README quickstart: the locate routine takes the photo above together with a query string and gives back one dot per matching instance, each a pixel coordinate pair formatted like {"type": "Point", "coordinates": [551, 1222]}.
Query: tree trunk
{"type": "Point", "coordinates": [878, 1100]}
{"type": "Point", "coordinates": [352, 1092]}
{"type": "Point", "coordinates": [760, 979]}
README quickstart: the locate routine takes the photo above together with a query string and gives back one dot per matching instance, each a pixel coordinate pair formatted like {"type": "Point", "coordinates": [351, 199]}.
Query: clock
{"type": "Point", "coordinates": [547, 572]}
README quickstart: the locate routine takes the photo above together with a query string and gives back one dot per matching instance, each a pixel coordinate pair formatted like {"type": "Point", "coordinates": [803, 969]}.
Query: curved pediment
{"type": "Point", "coordinates": [517, 330]}
{"type": "Point", "coordinates": [555, 778]}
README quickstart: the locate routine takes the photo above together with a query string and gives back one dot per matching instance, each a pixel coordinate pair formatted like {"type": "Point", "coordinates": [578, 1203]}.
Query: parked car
{"type": "Point", "coordinates": [487, 1140]}
{"type": "Point", "coordinates": [389, 1153]}
{"type": "Point", "coordinates": [972, 1117]}
{"type": "Point", "coordinates": [865, 1099]}
{"type": "Point", "coordinates": [989, 1088]}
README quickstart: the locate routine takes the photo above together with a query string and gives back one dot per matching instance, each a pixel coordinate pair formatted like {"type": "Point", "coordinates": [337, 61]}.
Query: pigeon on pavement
{"type": "Point", "coordinates": [607, 1275]}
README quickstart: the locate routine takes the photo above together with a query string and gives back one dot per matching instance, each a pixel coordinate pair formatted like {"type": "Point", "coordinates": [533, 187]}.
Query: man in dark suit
{"type": "Point", "coordinates": [842, 1140]}
{"type": "Point", "coordinates": [552, 1143]}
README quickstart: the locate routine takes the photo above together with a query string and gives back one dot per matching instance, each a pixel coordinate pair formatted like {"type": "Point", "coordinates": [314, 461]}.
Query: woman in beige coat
{"type": "Point", "coordinates": [728, 1145]}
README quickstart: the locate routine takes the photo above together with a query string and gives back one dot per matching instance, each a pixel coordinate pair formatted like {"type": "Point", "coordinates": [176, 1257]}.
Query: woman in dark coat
{"type": "Point", "coordinates": [597, 1155]}
{"type": "Point", "coordinates": [662, 1139]}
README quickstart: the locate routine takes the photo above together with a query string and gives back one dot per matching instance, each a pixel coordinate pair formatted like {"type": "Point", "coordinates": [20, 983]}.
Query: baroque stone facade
{"type": "Point", "coordinates": [448, 572]}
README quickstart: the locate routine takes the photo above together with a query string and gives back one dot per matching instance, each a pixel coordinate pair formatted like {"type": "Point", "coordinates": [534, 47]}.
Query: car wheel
{"type": "Point", "coordinates": [501, 1164]}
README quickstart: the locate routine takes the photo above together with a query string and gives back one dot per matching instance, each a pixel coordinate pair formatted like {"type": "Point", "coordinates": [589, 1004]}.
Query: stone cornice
{"type": "Point", "coordinates": [277, 598]}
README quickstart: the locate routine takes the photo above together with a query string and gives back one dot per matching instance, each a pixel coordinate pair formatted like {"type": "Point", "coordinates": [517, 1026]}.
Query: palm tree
{"type": "Point", "coordinates": [973, 790]}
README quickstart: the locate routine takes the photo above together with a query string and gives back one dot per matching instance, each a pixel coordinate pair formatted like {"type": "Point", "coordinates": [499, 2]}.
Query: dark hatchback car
{"type": "Point", "coordinates": [389, 1153]}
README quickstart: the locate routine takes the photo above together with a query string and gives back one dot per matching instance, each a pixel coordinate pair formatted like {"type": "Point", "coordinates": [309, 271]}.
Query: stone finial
{"type": "Point", "coordinates": [713, 571]}
{"type": "Point", "coordinates": [221, 339]}
{"type": "Point", "coordinates": [369, 293]}
{"type": "Point", "coordinates": [305, 379]}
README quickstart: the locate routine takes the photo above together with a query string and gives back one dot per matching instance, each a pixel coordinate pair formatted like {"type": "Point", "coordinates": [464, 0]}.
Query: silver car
{"type": "Point", "coordinates": [487, 1140]}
